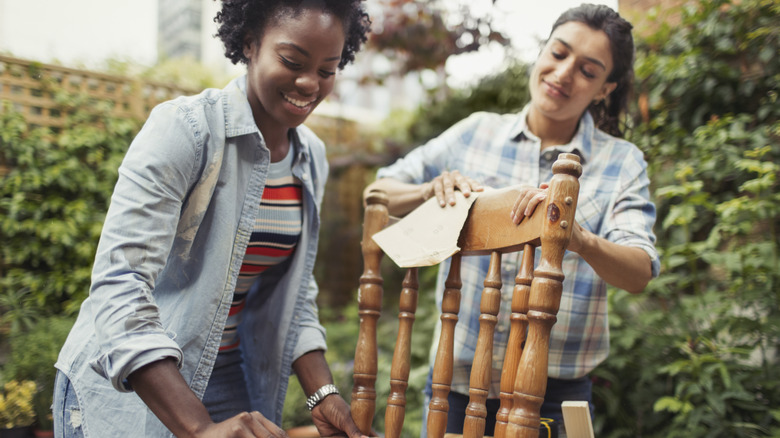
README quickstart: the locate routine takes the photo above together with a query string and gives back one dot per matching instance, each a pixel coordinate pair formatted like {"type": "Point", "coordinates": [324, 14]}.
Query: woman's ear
{"type": "Point", "coordinates": [249, 46]}
{"type": "Point", "coordinates": [606, 89]}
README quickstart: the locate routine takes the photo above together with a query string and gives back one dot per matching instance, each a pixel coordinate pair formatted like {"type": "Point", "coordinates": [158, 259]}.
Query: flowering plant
{"type": "Point", "coordinates": [16, 404]}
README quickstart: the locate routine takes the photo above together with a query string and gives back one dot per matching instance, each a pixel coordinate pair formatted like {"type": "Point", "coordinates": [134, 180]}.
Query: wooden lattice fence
{"type": "Point", "coordinates": [27, 85]}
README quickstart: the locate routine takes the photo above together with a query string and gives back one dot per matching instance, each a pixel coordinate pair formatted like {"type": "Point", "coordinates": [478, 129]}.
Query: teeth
{"type": "Point", "coordinates": [298, 103]}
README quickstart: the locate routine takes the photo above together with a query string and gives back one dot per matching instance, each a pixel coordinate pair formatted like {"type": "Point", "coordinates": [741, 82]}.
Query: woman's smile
{"type": "Point", "coordinates": [299, 106]}
{"type": "Point", "coordinates": [554, 90]}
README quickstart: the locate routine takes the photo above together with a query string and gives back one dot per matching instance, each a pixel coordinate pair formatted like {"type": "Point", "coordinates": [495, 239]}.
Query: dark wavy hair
{"type": "Point", "coordinates": [606, 113]}
{"type": "Point", "coordinates": [239, 18]}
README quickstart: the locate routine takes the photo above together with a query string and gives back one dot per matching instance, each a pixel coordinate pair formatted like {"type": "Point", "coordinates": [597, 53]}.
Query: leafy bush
{"type": "Point", "coordinates": [504, 92]}
{"type": "Point", "coordinates": [696, 355]}
{"type": "Point", "coordinates": [32, 358]}
{"type": "Point", "coordinates": [16, 404]}
{"type": "Point", "coordinates": [52, 205]}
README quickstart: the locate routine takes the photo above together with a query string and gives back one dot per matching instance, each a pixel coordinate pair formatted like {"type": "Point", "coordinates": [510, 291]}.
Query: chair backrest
{"type": "Point", "coordinates": [535, 302]}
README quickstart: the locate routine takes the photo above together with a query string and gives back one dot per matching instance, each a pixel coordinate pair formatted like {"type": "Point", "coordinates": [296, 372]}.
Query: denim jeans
{"type": "Point", "coordinates": [558, 391]}
{"type": "Point", "coordinates": [226, 396]}
{"type": "Point", "coordinates": [66, 412]}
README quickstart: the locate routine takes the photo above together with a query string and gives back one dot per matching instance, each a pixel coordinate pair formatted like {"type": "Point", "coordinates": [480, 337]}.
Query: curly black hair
{"type": "Point", "coordinates": [239, 18]}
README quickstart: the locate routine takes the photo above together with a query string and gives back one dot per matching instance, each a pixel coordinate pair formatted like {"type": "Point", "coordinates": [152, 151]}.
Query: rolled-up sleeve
{"type": "Point", "coordinates": [631, 220]}
{"type": "Point", "coordinates": [312, 333]}
{"type": "Point", "coordinates": [137, 236]}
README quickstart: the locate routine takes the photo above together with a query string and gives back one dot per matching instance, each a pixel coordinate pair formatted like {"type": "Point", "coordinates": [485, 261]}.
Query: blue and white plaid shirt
{"type": "Point", "coordinates": [614, 203]}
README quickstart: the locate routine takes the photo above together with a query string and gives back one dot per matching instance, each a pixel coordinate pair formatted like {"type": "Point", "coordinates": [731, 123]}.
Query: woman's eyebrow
{"type": "Point", "coordinates": [593, 60]}
{"type": "Point", "coordinates": [304, 52]}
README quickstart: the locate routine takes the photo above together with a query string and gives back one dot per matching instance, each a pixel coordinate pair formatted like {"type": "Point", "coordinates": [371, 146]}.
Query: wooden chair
{"type": "Point", "coordinates": [535, 303]}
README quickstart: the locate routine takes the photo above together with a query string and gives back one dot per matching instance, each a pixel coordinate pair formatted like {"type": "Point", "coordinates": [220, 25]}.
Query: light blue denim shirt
{"type": "Point", "coordinates": [166, 266]}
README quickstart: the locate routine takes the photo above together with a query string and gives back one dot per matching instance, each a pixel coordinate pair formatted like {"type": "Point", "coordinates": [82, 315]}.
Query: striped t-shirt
{"type": "Point", "coordinates": [275, 235]}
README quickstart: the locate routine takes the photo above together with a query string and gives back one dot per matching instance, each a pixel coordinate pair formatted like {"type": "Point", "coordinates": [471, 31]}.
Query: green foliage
{"type": "Point", "coordinates": [16, 404]}
{"type": "Point", "coordinates": [721, 58]}
{"type": "Point", "coordinates": [504, 92]}
{"type": "Point", "coordinates": [33, 354]}
{"type": "Point", "coordinates": [52, 204]}
{"type": "Point", "coordinates": [696, 355]}
{"type": "Point", "coordinates": [186, 72]}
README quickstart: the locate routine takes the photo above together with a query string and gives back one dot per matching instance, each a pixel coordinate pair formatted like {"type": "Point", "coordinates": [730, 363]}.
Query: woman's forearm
{"type": "Point", "coordinates": [162, 387]}
{"type": "Point", "coordinates": [312, 371]}
{"type": "Point", "coordinates": [628, 268]}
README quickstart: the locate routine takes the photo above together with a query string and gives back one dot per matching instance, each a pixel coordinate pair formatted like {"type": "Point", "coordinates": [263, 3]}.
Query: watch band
{"type": "Point", "coordinates": [320, 394]}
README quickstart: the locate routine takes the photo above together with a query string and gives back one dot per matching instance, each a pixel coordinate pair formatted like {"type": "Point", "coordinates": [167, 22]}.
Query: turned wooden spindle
{"type": "Point", "coordinates": [369, 308]}
{"type": "Point", "coordinates": [545, 299]}
{"type": "Point", "coordinates": [518, 326]}
{"type": "Point", "coordinates": [442, 368]}
{"type": "Point", "coordinates": [399, 371]}
{"type": "Point", "coordinates": [481, 369]}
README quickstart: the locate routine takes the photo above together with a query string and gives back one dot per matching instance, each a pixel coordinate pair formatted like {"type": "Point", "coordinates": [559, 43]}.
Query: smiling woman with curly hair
{"type": "Point", "coordinates": [203, 300]}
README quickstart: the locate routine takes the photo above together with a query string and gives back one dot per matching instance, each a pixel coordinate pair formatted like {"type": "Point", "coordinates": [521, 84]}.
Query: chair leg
{"type": "Point", "coordinates": [518, 327]}
{"type": "Point", "coordinates": [476, 411]}
{"type": "Point", "coordinates": [369, 309]}
{"type": "Point", "coordinates": [442, 366]}
{"type": "Point", "coordinates": [545, 298]}
{"type": "Point", "coordinates": [399, 372]}
{"type": "Point", "coordinates": [531, 382]}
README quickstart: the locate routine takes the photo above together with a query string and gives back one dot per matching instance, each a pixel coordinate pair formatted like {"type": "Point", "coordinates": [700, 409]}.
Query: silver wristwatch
{"type": "Point", "coordinates": [320, 394]}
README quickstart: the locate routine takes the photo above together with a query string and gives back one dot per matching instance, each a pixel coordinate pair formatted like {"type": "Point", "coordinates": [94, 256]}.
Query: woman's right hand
{"type": "Point", "coordinates": [444, 186]}
{"type": "Point", "coordinates": [243, 425]}
{"type": "Point", "coordinates": [162, 387]}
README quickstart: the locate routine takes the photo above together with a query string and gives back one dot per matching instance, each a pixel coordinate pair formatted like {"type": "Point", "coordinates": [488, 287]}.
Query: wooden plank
{"type": "Point", "coordinates": [576, 418]}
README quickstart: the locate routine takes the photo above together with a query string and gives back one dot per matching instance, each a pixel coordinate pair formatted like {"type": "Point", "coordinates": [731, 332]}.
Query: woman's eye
{"type": "Point", "coordinates": [557, 55]}
{"type": "Point", "coordinates": [588, 74]}
{"type": "Point", "coordinates": [327, 73]}
{"type": "Point", "coordinates": [289, 63]}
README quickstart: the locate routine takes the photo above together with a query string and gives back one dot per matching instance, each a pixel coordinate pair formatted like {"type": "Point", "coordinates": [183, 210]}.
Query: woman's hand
{"type": "Point", "coordinates": [444, 186]}
{"type": "Point", "coordinates": [333, 418]}
{"type": "Point", "coordinates": [527, 201]}
{"type": "Point", "coordinates": [626, 267]}
{"type": "Point", "coordinates": [526, 204]}
{"type": "Point", "coordinates": [245, 424]}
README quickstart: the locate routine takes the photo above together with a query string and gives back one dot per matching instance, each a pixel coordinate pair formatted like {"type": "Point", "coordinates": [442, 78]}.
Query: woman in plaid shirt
{"type": "Point", "coordinates": [579, 87]}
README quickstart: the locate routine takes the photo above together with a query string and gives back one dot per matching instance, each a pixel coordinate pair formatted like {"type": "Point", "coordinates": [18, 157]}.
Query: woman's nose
{"type": "Point", "coordinates": [564, 71]}
{"type": "Point", "coordinates": [307, 83]}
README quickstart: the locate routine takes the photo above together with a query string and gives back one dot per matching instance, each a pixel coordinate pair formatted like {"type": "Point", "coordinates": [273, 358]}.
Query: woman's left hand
{"type": "Point", "coordinates": [333, 418]}
{"type": "Point", "coordinates": [525, 205]}
{"type": "Point", "coordinates": [527, 201]}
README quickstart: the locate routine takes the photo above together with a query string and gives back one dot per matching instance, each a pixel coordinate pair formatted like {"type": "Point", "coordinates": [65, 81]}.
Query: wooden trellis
{"type": "Point", "coordinates": [25, 84]}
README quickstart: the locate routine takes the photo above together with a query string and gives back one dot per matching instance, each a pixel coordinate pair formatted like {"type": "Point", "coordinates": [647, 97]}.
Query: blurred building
{"type": "Point", "coordinates": [186, 28]}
